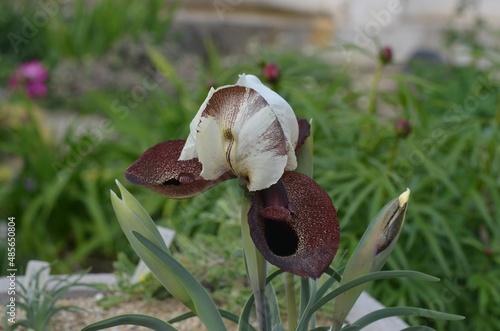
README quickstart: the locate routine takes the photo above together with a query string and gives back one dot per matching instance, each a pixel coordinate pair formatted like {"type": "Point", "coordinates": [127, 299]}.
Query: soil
{"type": "Point", "coordinates": [76, 320]}
{"type": "Point", "coordinates": [164, 309]}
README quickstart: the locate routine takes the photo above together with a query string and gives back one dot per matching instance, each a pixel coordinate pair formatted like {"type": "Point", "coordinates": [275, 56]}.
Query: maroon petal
{"type": "Point", "coordinates": [304, 132]}
{"type": "Point", "coordinates": [159, 170]}
{"type": "Point", "coordinates": [296, 230]}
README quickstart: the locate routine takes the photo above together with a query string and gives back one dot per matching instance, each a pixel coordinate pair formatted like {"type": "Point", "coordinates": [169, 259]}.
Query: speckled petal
{"type": "Point", "coordinates": [159, 170]}
{"type": "Point", "coordinates": [296, 230]}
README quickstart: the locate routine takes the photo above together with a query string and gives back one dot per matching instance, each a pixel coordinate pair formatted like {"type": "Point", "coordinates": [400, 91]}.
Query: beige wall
{"type": "Point", "coordinates": [405, 25]}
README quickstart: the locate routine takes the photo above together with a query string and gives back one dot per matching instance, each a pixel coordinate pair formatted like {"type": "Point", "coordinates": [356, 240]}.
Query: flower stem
{"type": "Point", "coordinates": [372, 99]}
{"type": "Point", "coordinates": [256, 267]}
{"type": "Point", "coordinates": [392, 155]}
{"type": "Point", "coordinates": [291, 305]}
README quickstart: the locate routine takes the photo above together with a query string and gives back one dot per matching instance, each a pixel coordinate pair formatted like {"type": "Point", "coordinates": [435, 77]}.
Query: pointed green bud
{"type": "Point", "coordinates": [133, 218]}
{"type": "Point", "coordinates": [371, 253]}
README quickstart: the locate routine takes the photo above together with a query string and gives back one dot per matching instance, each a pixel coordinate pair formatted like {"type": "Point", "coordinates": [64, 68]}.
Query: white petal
{"type": "Point", "coordinates": [255, 157]}
{"type": "Point", "coordinates": [211, 150]}
{"type": "Point", "coordinates": [189, 151]}
{"type": "Point", "coordinates": [283, 111]}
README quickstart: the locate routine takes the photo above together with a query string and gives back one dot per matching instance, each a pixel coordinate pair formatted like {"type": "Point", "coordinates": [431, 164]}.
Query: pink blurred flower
{"type": "Point", "coordinates": [402, 128]}
{"type": "Point", "coordinates": [271, 72]}
{"type": "Point", "coordinates": [30, 77]}
{"type": "Point", "coordinates": [385, 55]}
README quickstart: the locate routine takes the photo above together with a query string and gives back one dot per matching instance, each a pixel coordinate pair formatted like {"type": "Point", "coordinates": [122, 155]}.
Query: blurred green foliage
{"type": "Point", "coordinates": [57, 186]}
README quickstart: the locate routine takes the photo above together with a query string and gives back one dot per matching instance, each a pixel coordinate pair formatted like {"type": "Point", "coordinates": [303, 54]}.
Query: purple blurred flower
{"type": "Point", "coordinates": [30, 77]}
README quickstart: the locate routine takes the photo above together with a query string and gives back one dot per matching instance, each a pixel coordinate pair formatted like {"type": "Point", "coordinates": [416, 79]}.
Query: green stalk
{"type": "Point", "coordinates": [393, 153]}
{"type": "Point", "coordinates": [291, 305]}
{"type": "Point", "coordinates": [372, 99]}
{"type": "Point", "coordinates": [256, 267]}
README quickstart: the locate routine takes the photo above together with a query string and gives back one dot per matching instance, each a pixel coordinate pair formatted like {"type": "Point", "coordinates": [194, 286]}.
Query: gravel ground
{"type": "Point", "coordinates": [165, 310]}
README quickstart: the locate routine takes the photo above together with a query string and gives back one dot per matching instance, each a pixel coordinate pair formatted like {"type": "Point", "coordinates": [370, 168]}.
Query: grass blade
{"type": "Point", "coordinates": [400, 311]}
{"type": "Point", "coordinates": [369, 277]}
{"type": "Point", "coordinates": [150, 322]}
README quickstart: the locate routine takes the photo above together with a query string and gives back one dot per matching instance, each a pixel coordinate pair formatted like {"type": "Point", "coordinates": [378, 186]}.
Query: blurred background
{"type": "Point", "coordinates": [401, 93]}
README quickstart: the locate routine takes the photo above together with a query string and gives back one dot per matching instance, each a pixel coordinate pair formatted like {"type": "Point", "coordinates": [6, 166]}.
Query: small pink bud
{"type": "Point", "coordinates": [271, 72]}
{"type": "Point", "coordinates": [385, 55]}
{"type": "Point", "coordinates": [402, 128]}
{"type": "Point", "coordinates": [209, 83]}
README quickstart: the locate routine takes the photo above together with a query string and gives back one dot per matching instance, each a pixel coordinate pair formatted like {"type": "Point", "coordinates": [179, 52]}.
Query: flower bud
{"type": "Point", "coordinates": [385, 55]}
{"type": "Point", "coordinates": [271, 72]}
{"type": "Point", "coordinates": [402, 128]}
{"type": "Point", "coordinates": [371, 253]}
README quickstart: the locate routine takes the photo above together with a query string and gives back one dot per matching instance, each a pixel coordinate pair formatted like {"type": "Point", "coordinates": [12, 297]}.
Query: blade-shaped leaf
{"type": "Point", "coordinates": [129, 221]}
{"type": "Point", "coordinates": [244, 321]}
{"type": "Point", "coordinates": [150, 322]}
{"type": "Point", "coordinates": [204, 306]}
{"type": "Point", "coordinates": [224, 313]}
{"type": "Point", "coordinates": [142, 214]}
{"type": "Point", "coordinates": [367, 278]}
{"type": "Point", "coordinates": [400, 311]}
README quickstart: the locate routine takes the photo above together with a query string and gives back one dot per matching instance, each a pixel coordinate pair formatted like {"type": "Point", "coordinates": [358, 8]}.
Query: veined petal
{"type": "Point", "coordinates": [239, 131]}
{"type": "Point", "coordinates": [283, 111]}
{"type": "Point", "coordinates": [211, 149]}
{"type": "Point", "coordinates": [189, 151]}
{"type": "Point", "coordinates": [159, 170]}
{"type": "Point", "coordinates": [259, 154]}
{"type": "Point", "coordinates": [295, 229]}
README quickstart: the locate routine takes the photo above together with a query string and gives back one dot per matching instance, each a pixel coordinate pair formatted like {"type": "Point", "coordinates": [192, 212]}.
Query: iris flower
{"type": "Point", "coordinates": [249, 132]}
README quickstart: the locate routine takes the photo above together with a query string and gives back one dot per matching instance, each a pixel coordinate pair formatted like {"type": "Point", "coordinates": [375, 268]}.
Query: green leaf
{"type": "Point", "coordinates": [244, 321]}
{"type": "Point", "coordinates": [150, 322]}
{"type": "Point", "coordinates": [418, 328]}
{"type": "Point", "coordinates": [224, 313]}
{"type": "Point", "coordinates": [142, 214]}
{"type": "Point", "coordinates": [383, 231]}
{"type": "Point", "coordinates": [334, 277]}
{"type": "Point", "coordinates": [369, 277]}
{"type": "Point", "coordinates": [400, 311]}
{"type": "Point", "coordinates": [166, 68]}
{"type": "Point", "coordinates": [204, 307]}
{"type": "Point", "coordinates": [307, 300]}
{"type": "Point", "coordinates": [129, 222]}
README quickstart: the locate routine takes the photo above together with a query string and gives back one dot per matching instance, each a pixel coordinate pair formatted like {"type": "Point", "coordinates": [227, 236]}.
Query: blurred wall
{"type": "Point", "coordinates": [405, 25]}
